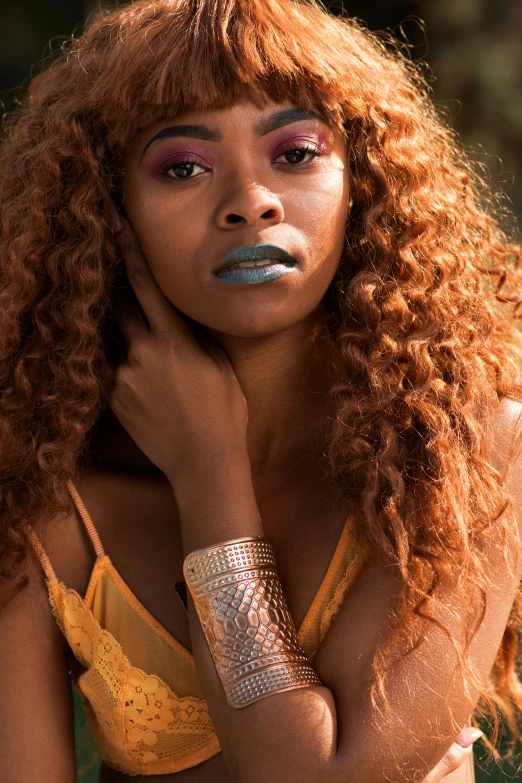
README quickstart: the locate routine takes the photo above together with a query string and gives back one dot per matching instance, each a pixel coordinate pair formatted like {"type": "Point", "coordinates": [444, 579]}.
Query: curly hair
{"type": "Point", "coordinates": [419, 311]}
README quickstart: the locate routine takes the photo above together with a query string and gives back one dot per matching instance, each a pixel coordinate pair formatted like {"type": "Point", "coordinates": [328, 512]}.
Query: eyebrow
{"type": "Point", "coordinates": [261, 128]}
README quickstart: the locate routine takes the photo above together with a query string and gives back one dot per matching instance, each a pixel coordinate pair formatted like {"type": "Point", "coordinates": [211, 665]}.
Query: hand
{"type": "Point", "coordinates": [176, 395]}
{"type": "Point", "coordinates": [456, 756]}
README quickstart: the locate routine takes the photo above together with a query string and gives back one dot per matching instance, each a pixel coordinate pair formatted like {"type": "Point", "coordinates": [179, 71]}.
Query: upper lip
{"type": "Point", "coordinates": [255, 253]}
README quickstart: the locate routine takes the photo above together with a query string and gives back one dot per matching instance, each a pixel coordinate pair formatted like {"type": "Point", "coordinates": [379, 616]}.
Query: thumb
{"type": "Point", "coordinates": [459, 752]}
{"type": "Point", "coordinates": [468, 736]}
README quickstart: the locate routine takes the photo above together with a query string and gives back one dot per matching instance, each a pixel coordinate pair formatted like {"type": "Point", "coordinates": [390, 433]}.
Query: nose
{"type": "Point", "coordinates": [248, 206]}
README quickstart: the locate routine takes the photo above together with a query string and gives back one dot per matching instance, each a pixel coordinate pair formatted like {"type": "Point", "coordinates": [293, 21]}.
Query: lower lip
{"type": "Point", "coordinates": [254, 275]}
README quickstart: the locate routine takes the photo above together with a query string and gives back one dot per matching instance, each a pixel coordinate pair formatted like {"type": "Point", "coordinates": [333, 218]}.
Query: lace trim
{"type": "Point", "coordinates": [341, 591]}
{"type": "Point", "coordinates": [151, 710]}
{"type": "Point", "coordinates": [311, 615]}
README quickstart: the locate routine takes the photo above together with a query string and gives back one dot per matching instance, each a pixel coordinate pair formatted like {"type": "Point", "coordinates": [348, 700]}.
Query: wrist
{"type": "Point", "coordinates": [205, 465]}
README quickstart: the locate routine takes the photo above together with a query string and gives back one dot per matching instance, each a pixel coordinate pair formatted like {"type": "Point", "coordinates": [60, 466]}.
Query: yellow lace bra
{"type": "Point", "coordinates": [139, 686]}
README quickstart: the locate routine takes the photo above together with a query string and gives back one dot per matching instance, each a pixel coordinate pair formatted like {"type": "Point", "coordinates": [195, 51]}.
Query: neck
{"type": "Point", "coordinates": [285, 378]}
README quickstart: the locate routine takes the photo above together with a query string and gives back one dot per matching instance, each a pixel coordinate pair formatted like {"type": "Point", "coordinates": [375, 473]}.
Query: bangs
{"type": "Point", "coordinates": [154, 60]}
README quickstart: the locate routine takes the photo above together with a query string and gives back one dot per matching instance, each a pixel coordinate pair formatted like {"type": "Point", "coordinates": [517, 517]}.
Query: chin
{"type": "Point", "coordinates": [260, 316]}
{"type": "Point", "coordinates": [261, 324]}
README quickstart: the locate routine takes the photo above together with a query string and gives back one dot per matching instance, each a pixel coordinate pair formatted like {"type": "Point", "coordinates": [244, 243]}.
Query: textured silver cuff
{"type": "Point", "coordinates": [237, 593]}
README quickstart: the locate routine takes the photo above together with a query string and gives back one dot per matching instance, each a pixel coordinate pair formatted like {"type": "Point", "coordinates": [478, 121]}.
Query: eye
{"type": "Point", "coordinates": [181, 169]}
{"type": "Point", "coordinates": [299, 155]}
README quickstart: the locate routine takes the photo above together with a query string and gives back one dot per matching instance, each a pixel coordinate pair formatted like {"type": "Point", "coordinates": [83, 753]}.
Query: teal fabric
{"type": "Point", "coordinates": [88, 756]}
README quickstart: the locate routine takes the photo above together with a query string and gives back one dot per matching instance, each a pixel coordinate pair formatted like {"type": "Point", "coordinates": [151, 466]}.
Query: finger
{"type": "Point", "coordinates": [452, 760]}
{"type": "Point", "coordinates": [107, 379]}
{"type": "Point", "coordinates": [458, 753]}
{"type": "Point", "coordinates": [211, 346]}
{"type": "Point", "coordinates": [130, 320]}
{"type": "Point", "coordinates": [161, 315]}
{"type": "Point", "coordinates": [468, 736]}
{"type": "Point", "coordinates": [116, 219]}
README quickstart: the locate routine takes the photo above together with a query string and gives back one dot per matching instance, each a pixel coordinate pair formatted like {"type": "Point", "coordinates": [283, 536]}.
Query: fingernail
{"type": "Point", "coordinates": [468, 736]}
{"type": "Point", "coordinates": [116, 220]}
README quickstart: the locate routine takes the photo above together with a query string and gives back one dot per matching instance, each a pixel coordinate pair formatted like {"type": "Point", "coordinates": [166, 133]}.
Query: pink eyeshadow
{"type": "Point", "coordinates": [322, 140]}
{"type": "Point", "coordinates": [168, 152]}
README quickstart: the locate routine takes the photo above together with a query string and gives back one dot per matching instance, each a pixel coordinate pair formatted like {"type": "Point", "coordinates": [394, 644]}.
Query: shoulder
{"type": "Point", "coordinates": [504, 433]}
{"type": "Point", "coordinates": [504, 448]}
{"type": "Point", "coordinates": [134, 516]}
{"type": "Point", "coordinates": [65, 539]}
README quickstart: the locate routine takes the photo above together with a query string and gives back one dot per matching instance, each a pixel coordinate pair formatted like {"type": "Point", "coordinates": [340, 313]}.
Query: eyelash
{"type": "Point", "coordinates": [314, 151]}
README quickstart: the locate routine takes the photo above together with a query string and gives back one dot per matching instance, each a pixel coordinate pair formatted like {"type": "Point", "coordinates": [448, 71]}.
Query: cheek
{"type": "Point", "coordinates": [320, 212]}
{"type": "Point", "coordinates": [168, 238]}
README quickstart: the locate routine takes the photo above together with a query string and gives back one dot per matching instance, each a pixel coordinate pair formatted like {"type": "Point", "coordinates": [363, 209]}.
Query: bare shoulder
{"type": "Point", "coordinates": [504, 436]}
{"type": "Point", "coordinates": [123, 507]}
{"type": "Point", "coordinates": [504, 450]}
{"type": "Point", "coordinates": [67, 544]}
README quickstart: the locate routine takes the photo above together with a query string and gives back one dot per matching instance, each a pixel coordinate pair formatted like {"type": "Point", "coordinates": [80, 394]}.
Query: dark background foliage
{"type": "Point", "coordinates": [474, 54]}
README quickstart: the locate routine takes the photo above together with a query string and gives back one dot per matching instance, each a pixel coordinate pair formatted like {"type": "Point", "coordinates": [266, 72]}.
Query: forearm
{"type": "Point", "coordinates": [286, 736]}
{"type": "Point", "coordinates": [290, 735]}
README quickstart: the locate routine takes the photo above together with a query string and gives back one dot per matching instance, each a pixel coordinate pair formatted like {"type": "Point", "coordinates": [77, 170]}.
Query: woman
{"type": "Point", "coordinates": [246, 297]}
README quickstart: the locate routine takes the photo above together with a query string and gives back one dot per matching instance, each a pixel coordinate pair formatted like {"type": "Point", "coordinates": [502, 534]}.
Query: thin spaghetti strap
{"type": "Point", "coordinates": [87, 521]}
{"type": "Point", "coordinates": [41, 553]}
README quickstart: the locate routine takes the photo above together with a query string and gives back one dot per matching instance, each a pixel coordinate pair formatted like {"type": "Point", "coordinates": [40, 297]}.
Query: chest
{"type": "Point", "coordinates": [138, 524]}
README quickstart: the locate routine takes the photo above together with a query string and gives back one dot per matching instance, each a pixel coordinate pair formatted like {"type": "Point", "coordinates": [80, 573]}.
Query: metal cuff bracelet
{"type": "Point", "coordinates": [252, 638]}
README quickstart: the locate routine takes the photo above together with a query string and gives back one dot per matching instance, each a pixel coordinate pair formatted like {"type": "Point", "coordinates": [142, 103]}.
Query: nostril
{"type": "Point", "coordinates": [268, 214]}
{"type": "Point", "coordinates": [234, 218]}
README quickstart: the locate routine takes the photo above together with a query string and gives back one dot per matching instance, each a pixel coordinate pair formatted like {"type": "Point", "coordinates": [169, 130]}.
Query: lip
{"type": "Point", "coordinates": [255, 253]}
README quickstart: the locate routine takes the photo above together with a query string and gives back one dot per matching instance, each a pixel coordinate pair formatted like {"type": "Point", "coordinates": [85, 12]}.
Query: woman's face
{"type": "Point", "coordinates": [209, 183]}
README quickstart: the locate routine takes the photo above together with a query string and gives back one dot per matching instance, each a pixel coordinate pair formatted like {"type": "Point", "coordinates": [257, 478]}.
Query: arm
{"type": "Point", "coordinates": [330, 734]}
{"type": "Point", "coordinates": [37, 722]}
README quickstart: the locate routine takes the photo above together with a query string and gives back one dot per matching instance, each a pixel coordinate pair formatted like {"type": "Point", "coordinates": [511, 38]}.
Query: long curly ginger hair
{"type": "Point", "coordinates": [426, 348]}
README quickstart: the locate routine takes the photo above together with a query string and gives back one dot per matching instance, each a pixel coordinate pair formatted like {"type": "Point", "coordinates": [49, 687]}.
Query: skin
{"type": "Point", "coordinates": [239, 404]}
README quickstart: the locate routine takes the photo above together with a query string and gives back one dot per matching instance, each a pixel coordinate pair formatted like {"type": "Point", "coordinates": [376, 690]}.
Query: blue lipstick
{"type": "Point", "coordinates": [254, 264]}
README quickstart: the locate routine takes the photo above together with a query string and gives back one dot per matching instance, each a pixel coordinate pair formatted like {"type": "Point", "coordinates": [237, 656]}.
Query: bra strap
{"type": "Point", "coordinates": [41, 554]}
{"type": "Point", "coordinates": [87, 521]}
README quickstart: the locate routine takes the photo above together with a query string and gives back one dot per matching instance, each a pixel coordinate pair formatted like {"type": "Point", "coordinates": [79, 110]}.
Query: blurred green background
{"type": "Point", "coordinates": [473, 49]}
